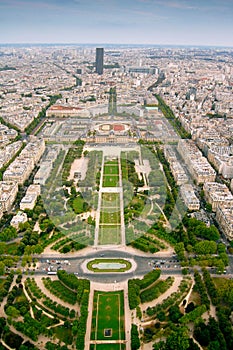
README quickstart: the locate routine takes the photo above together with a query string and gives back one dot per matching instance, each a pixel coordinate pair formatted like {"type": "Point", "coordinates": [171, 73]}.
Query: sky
{"type": "Point", "coordinates": [159, 22]}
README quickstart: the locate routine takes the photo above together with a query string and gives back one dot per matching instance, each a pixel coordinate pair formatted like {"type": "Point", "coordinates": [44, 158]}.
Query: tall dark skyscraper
{"type": "Point", "coordinates": [99, 63]}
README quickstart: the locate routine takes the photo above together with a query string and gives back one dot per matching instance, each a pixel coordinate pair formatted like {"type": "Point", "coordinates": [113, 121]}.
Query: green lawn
{"type": "Point", "coordinates": [63, 334]}
{"type": "Point", "coordinates": [109, 234]}
{"type": "Point", "coordinates": [77, 205]}
{"type": "Point", "coordinates": [127, 265]}
{"type": "Point", "coordinates": [111, 162]}
{"type": "Point", "coordinates": [110, 217]}
{"type": "Point", "coordinates": [110, 180]}
{"type": "Point", "coordinates": [107, 347]}
{"type": "Point", "coordinates": [108, 313]}
{"type": "Point", "coordinates": [111, 169]}
{"type": "Point", "coordinates": [110, 200]}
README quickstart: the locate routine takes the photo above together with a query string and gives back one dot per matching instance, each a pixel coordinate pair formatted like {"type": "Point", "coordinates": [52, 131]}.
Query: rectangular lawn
{"type": "Point", "coordinates": [110, 200]}
{"type": "Point", "coordinates": [109, 216]}
{"type": "Point", "coordinates": [111, 169]}
{"type": "Point", "coordinates": [110, 180]}
{"type": "Point", "coordinates": [109, 234]}
{"type": "Point", "coordinates": [108, 314]}
{"type": "Point", "coordinates": [107, 346]}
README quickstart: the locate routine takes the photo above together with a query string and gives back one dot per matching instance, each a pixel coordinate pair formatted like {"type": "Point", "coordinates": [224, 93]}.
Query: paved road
{"type": "Point", "coordinates": [144, 264]}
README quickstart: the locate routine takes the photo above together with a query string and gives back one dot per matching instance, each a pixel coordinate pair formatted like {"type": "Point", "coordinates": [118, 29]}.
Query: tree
{"type": "Point", "coordinates": [205, 247]}
{"type": "Point", "coordinates": [2, 248]}
{"type": "Point", "coordinates": [135, 342]}
{"type": "Point", "coordinates": [208, 207]}
{"type": "Point", "coordinates": [214, 345]}
{"type": "Point", "coordinates": [179, 249]}
{"type": "Point", "coordinates": [12, 312]}
{"type": "Point", "coordinates": [178, 340]}
{"type": "Point", "coordinates": [161, 316]}
{"type": "Point", "coordinates": [161, 345]}
{"type": "Point", "coordinates": [220, 266]}
{"type": "Point", "coordinates": [2, 324]}
{"type": "Point", "coordinates": [192, 345]}
{"type": "Point", "coordinates": [190, 307]}
{"type": "Point", "coordinates": [202, 334]}
{"type": "Point", "coordinates": [174, 313]}
{"type": "Point", "coordinates": [2, 268]}
{"type": "Point", "coordinates": [38, 249]}
{"type": "Point", "coordinates": [216, 335]}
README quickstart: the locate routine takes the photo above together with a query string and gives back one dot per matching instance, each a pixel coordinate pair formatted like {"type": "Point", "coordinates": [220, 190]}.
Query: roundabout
{"type": "Point", "coordinates": [109, 265]}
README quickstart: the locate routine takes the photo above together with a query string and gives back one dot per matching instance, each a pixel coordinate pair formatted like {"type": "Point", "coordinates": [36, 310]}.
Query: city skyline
{"type": "Point", "coordinates": [167, 22]}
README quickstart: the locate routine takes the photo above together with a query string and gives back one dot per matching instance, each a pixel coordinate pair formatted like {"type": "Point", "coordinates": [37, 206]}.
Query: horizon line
{"type": "Point", "coordinates": [115, 44]}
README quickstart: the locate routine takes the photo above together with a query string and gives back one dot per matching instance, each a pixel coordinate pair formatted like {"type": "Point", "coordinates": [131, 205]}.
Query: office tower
{"type": "Point", "coordinates": [99, 60]}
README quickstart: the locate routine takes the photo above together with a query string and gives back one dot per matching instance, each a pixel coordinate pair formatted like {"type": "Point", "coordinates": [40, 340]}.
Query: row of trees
{"type": "Point", "coordinates": [171, 300]}
{"type": "Point", "coordinates": [5, 286]}
{"type": "Point", "coordinates": [30, 327]}
{"type": "Point", "coordinates": [58, 289]}
{"type": "Point", "coordinates": [201, 289]}
{"type": "Point", "coordinates": [42, 114]}
{"type": "Point", "coordinates": [129, 172]}
{"type": "Point", "coordinates": [3, 169]}
{"type": "Point", "coordinates": [145, 243]}
{"type": "Point", "coordinates": [81, 331]}
{"type": "Point", "coordinates": [94, 164]}
{"type": "Point", "coordinates": [137, 285]}
{"type": "Point", "coordinates": [167, 112]}
{"type": "Point", "coordinates": [46, 302]}
{"type": "Point", "coordinates": [209, 335]}
{"type": "Point", "coordinates": [72, 282]}
{"type": "Point", "coordinates": [72, 154]}
{"type": "Point", "coordinates": [135, 342]}
{"type": "Point", "coordinates": [156, 290]}
{"type": "Point", "coordinates": [210, 286]}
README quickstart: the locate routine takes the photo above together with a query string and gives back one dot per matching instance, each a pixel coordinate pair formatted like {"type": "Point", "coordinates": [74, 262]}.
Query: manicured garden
{"type": "Point", "coordinates": [111, 168]}
{"type": "Point", "coordinates": [107, 346]}
{"type": "Point", "coordinates": [109, 217]}
{"type": "Point", "coordinates": [108, 316]}
{"type": "Point", "coordinates": [109, 234]}
{"type": "Point", "coordinates": [110, 180]}
{"type": "Point", "coordinates": [110, 200]}
{"type": "Point", "coordinates": [111, 174]}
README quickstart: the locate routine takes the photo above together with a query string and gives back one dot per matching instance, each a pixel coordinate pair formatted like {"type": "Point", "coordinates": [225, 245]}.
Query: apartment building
{"type": "Point", "coordinates": [8, 192]}
{"type": "Point", "coordinates": [222, 159]}
{"type": "Point", "coordinates": [190, 199]}
{"type": "Point", "coordinates": [224, 217]}
{"type": "Point", "coordinates": [43, 173]}
{"type": "Point", "coordinates": [178, 173]}
{"type": "Point", "coordinates": [8, 152]}
{"type": "Point", "coordinates": [34, 149]}
{"type": "Point", "coordinates": [217, 194]}
{"type": "Point", "coordinates": [20, 169]}
{"type": "Point", "coordinates": [1, 211]}
{"type": "Point", "coordinates": [29, 200]}
{"type": "Point", "coordinates": [198, 166]}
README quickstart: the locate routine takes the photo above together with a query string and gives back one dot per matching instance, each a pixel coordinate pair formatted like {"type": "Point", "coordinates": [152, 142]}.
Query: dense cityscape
{"type": "Point", "coordinates": [116, 197]}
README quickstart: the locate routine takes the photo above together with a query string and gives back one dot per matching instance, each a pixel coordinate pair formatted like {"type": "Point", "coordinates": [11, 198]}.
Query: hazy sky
{"type": "Point", "coordinates": [184, 22]}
